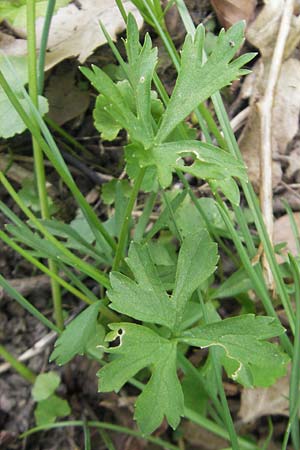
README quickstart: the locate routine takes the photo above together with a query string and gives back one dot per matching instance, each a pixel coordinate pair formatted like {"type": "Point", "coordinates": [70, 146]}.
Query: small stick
{"type": "Point", "coordinates": [265, 110]}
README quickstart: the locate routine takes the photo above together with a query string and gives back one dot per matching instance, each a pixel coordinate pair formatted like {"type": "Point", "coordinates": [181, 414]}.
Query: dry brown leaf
{"type": "Point", "coordinates": [263, 31]}
{"type": "Point", "coordinates": [231, 11]}
{"type": "Point", "coordinates": [286, 108]}
{"type": "Point", "coordinates": [66, 100]}
{"type": "Point", "coordinates": [260, 402]}
{"type": "Point", "coordinates": [285, 116]}
{"type": "Point", "coordinates": [75, 32]}
{"type": "Point", "coordinates": [283, 233]}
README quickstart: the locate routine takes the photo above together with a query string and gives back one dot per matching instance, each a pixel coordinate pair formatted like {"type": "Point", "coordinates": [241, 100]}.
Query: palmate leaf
{"type": "Point", "coordinates": [146, 299]}
{"type": "Point", "coordinates": [197, 81]}
{"type": "Point", "coordinates": [141, 347]}
{"type": "Point", "coordinates": [247, 358]}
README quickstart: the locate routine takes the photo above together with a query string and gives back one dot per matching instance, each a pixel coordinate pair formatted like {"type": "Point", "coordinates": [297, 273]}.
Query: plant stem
{"type": "Point", "coordinates": [35, 262]}
{"type": "Point", "coordinates": [105, 426]}
{"type": "Point", "coordinates": [216, 429]}
{"type": "Point", "coordinates": [207, 224]}
{"type": "Point", "coordinates": [254, 206]}
{"type": "Point", "coordinates": [44, 41]}
{"type": "Point", "coordinates": [257, 282]}
{"type": "Point", "coordinates": [38, 154]}
{"type": "Point", "coordinates": [27, 305]}
{"type": "Point", "coordinates": [50, 148]}
{"type": "Point", "coordinates": [233, 148]}
{"type": "Point", "coordinates": [125, 225]}
{"type": "Point", "coordinates": [19, 367]}
{"type": "Point", "coordinates": [144, 219]}
{"type": "Point", "coordinates": [295, 372]}
{"type": "Point", "coordinates": [97, 275]}
{"type": "Point", "coordinates": [68, 137]}
{"type": "Point", "coordinates": [217, 369]}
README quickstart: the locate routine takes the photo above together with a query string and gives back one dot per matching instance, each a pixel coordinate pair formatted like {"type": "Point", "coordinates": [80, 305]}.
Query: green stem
{"type": "Point", "coordinates": [254, 206]}
{"type": "Point", "coordinates": [122, 10]}
{"type": "Point", "coordinates": [49, 147]}
{"type": "Point", "coordinates": [125, 225]}
{"type": "Point", "coordinates": [217, 370]}
{"type": "Point", "coordinates": [27, 305]}
{"type": "Point", "coordinates": [207, 224]}
{"type": "Point", "coordinates": [19, 367]}
{"type": "Point", "coordinates": [101, 425]}
{"type": "Point", "coordinates": [216, 429]}
{"type": "Point", "coordinates": [187, 367]}
{"type": "Point", "coordinates": [26, 255]}
{"type": "Point", "coordinates": [44, 41]}
{"type": "Point", "coordinates": [257, 284]}
{"type": "Point", "coordinates": [144, 219]}
{"type": "Point", "coordinates": [172, 215]}
{"type": "Point", "coordinates": [38, 154]}
{"type": "Point", "coordinates": [64, 134]}
{"type": "Point", "coordinates": [295, 372]}
{"type": "Point", "coordinates": [97, 275]}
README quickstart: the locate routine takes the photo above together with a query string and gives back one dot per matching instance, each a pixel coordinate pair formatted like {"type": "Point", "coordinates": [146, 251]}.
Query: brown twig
{"type": "Point", "coordinates": [265, 107]}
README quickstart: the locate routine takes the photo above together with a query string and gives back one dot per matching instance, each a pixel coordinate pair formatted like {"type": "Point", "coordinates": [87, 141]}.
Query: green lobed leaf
{"type": "Point", "coordinates": [45, 385]}
{"type": "Point", "coordinates": [108, 191]}
{"type": "Point", "coordinates": [146, 299]}
{"type": "Point", "coordinates": [247, 358]}
{"type": "Point", "coordinates": [209, 162]}
{"type": "Point", "coordinates": [140, 347]}
{"type": "Point", "coordinates": [11, 123]}
{"type": "Point", "coordinates": [197, 81]}
{"type": "Point", "coordinates": [197, 260]}
{"type": "Point", "coordinates": [127, 104]}
{"type": "Point", "coordinates": [48, 410]}
{"type": "Point", "coordinates": [76, 336]}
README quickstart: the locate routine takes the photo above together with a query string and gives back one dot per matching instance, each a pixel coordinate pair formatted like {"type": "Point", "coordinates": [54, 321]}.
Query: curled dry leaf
{"type": "Point", "coordinates": [285, 115]}
{"type": "Point", "coordinates": [232, 11]}
{"type": "Point", "coordinates": [260, 402]}
{"type": "Point", "coordinates": [263, 31]}
{"type": "Point", "coordinates": [75, 32]}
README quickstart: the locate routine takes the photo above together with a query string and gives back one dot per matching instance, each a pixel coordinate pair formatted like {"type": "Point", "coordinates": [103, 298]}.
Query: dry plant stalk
{"type": "Point", "coordinates": [265, 110]}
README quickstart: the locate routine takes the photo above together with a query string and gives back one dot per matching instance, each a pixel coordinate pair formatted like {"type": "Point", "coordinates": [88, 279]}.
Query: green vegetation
{"type": "Point", "coordinates": [159, 292]}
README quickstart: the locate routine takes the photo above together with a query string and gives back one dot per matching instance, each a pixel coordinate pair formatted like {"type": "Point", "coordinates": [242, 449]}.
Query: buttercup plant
{"type": "Point", "coordinates": [159, 300]}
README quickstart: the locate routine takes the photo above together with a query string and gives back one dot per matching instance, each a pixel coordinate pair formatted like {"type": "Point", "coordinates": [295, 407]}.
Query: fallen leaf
{"type": "Point", "coordinates": [263, 31]}
{"type": "Point", "coordinates": [66, 100]}
{"type": "Point", "coordinates": [15, 11]}
{"type": "Point", "coordinates": [260, 402]}
{"type": "Point", "coordinates": [75, 32]}
{"type": "Point", "coordinates": [283, 233]}
{"type": "Point", "coordinates": [232, 11]}
{"type": "Point", "coordinates": [285, 116]}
